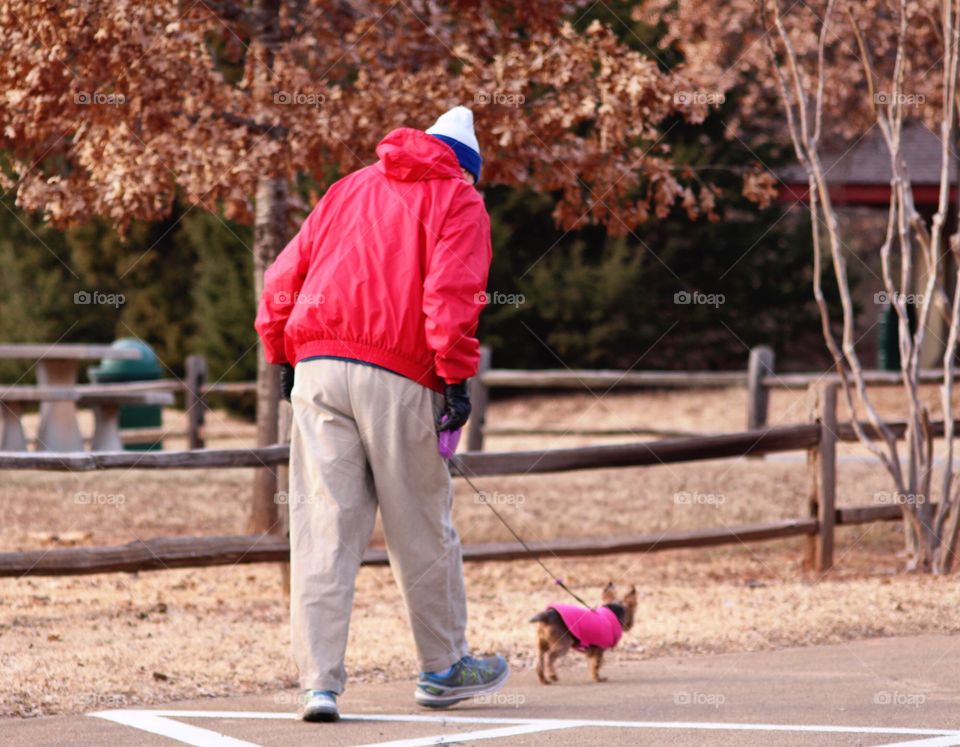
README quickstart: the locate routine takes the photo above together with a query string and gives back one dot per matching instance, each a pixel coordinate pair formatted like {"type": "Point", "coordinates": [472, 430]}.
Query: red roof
{"type": "Point", "coordinates": [858, 173]}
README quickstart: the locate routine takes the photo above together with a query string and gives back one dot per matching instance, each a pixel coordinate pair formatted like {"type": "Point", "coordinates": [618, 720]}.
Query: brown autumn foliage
{"type": "Point", "coordinates": [111, 107]}
{"type": "Point", "coordinates": [726, 45]}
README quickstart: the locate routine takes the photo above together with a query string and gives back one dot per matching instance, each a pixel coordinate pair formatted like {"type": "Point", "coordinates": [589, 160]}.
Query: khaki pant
{"type": "Point", "coordinates": [364, 437]}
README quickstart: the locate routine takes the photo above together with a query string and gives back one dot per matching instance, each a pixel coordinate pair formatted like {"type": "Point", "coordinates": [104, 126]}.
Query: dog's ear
{"type": "Point", "coordinates": [609, 594]}
{"type": "Point", "coordinates": [631, 598]}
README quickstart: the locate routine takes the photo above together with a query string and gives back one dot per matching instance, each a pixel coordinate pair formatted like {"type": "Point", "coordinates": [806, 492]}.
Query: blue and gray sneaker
{"type": "Point", "coordinates": [468, 678]}
{"type": "Point", "coordinates": [319, 705]}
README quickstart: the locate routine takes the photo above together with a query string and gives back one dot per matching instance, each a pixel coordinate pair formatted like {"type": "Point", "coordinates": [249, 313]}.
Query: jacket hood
{"type": "Point", "coordinates": [411, 155]}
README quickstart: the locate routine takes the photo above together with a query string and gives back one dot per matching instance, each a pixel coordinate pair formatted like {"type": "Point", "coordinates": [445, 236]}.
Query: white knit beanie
{"type": "Point", "coordinates": [455, 128]}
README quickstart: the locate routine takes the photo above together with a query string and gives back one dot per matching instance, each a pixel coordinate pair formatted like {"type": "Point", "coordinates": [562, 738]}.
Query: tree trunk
{"type": "Point", "coordinates": [269, 237]}
{"type": "Point", "coordinates": [268, 241]}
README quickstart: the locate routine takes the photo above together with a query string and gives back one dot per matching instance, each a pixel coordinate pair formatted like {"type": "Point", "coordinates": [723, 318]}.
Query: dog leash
{"type": "Point", "coordinates": [556, 579]}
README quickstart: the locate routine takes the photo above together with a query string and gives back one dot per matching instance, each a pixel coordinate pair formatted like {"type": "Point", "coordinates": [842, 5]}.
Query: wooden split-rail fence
{"type": "Point", "coordinates": [819, 438]}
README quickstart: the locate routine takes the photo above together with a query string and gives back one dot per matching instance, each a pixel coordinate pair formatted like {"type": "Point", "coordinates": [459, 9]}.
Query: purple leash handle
{"type": "Point", "coordinates": [448, 441]}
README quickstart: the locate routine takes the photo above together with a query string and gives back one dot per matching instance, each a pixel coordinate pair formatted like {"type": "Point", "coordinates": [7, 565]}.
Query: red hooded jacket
{"type": "Point", "coordinates": [389, 269]}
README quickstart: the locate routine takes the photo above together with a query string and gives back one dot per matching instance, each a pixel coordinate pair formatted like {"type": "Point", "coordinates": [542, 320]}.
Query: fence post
{"type": "Point", "coordinates": [823, 466]}
{"type": "Point", "coordinates": [284, 427]}
{"type": "Point", "coordinates": [479, 397]}
{"type": "Point", "coordinates": [759, 365]}
{"type": "Point", "coordinates": [196, 377]}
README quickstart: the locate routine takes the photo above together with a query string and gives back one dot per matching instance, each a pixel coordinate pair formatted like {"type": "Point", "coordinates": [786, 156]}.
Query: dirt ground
{"type": "Point", "coordinates": [74, 644]}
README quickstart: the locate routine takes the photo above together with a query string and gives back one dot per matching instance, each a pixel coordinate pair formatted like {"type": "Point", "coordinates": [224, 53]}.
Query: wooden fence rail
{"type": "Point", "coordinates": [644, 453]}
{"type": "Point", "coordinates": [758, 379]}
{"type": "Point", "coordinates": [598, 379]}
{"type": "Point", "coordinates": [185, 552]}
{"type": "Point", "coordinates": [189, 552]}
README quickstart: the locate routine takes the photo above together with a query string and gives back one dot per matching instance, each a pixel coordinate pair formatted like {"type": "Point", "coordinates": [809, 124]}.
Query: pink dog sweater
{"type": "Point", "coordinates": [599, 627]}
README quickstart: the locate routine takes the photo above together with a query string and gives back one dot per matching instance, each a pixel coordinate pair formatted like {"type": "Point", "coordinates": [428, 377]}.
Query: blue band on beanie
{"type": "Point", "coordinates": [467, 156]}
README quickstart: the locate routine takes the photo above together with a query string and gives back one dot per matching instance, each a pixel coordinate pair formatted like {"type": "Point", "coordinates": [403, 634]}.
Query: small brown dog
{"type": "Point", "coordinates": [561, 627]}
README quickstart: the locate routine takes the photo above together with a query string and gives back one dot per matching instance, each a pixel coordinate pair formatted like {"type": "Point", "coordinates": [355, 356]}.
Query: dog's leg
{"type": "Point", "coordinates": [557, 650]}
{"type": "Point", "coordinates": [551, 661]}
{"type": "Point", "coordinates": [595, 655]}
{"type": "Point", "coordinates": [543, 646]}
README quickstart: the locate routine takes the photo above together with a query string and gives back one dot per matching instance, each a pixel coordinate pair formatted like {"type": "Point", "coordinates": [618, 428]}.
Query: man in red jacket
{"type": "Point", "coordinates": [374, 302]}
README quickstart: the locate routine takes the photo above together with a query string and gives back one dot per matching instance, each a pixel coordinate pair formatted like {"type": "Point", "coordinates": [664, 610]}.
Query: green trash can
{"type": "Point", "coordinates": [888, 336]}
{"type": "Point", "coordinates": [145, 368]}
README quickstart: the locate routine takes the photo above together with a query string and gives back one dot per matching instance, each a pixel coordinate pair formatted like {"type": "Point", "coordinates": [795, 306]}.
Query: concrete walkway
{"type": "Point", "coordinates": [880, 691]}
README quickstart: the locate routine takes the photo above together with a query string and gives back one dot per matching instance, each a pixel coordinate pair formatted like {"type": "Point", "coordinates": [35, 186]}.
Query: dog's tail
{"type": "Point", "coordinates": [548, 616]}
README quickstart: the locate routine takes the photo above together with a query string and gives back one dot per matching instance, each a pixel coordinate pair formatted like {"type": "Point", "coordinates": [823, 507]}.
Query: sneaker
{"type": "Point", "coordinates": [467, 678]}
{"type": "Point", "coordinates": [319, 705]}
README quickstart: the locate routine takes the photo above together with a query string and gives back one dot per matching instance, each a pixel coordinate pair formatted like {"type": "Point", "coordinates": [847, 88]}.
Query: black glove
{"type": "Point", "coordinates": [286, 380]}
{"type": "Point", "coordinates": [456, 407]}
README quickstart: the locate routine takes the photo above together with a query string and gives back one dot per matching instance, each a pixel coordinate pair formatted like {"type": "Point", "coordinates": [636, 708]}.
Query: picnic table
{"type": "Point", "coordinates": [58, 366]}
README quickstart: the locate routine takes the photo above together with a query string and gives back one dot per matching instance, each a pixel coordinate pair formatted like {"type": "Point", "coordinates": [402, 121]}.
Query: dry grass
{"type": "Point", "coordinates": [69, 644]}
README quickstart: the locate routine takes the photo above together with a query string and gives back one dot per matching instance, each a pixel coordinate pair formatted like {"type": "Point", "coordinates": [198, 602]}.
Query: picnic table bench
{"type": "Point", "coordinates": [106, 412]}
{"type": "Point", "coordinates": [105, 399]}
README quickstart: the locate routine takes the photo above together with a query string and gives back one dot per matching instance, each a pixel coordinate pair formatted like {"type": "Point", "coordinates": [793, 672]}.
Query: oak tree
{"type": "Point", "coordinates": [112, 107]}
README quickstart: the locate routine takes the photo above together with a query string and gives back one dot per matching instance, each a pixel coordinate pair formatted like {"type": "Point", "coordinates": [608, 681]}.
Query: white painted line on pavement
{"type": "Point", "coordinates": [281, 715]}
{"type": "Point", "coordinates": [154, 723]}
{"type": "Point", "coordinates": [935, 742]}
{"type": "Point", "coordinates": [815, 728]}
{"type": "Point", "coordinates": [540, 725]}
{"type": "Point", "coordinates": [159, 722]}
{"type": "Point", "coordinates": [451, 719]}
